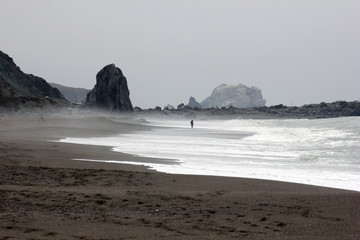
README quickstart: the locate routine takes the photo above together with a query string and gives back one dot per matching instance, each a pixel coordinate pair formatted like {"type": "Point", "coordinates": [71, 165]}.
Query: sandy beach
{"type": "Point", "coordinates": [44, 194]}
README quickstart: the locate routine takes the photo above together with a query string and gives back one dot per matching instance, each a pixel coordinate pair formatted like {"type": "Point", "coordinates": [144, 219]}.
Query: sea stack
{"type": "Point", "coordinates": [193, 103]}
{"type": "Point", "coordinates": [111, 91]}
{"type": "Point", "coordinates": [239, 96]}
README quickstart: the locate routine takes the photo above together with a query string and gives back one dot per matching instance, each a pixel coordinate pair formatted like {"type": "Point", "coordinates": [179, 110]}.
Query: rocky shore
{"type": "Point", "coordinates": [322, 110]}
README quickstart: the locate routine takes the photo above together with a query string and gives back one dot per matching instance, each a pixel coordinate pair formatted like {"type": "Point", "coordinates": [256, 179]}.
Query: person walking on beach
{"type": "Point", "coordinates": [192, 123]}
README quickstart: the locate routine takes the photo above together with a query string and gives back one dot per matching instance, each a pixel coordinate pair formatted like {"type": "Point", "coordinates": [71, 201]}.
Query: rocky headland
{"type": "Point", "coordinates": [19, 90]}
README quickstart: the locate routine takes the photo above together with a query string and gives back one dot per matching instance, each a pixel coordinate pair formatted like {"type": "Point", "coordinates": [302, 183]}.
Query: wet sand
{"type": "Point", "coordinates": [46, 195]}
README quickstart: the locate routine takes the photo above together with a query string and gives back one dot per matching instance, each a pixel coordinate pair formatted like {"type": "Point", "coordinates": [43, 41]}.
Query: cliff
{"type": "Point", "coordinates": [18, 89]}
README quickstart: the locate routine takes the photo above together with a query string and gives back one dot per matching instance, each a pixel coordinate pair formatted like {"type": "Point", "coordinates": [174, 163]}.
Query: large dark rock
{"type": "Point", "coordinates": [20, 89]}
{"type": "Point", "coordinates": [111, 91]}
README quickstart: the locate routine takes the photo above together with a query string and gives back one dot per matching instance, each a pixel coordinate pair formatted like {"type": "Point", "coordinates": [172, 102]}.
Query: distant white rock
{"type": "Point", "coordinates": [239, 96]}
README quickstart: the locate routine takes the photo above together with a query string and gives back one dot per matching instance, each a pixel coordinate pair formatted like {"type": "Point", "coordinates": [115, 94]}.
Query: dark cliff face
{"type": "Point", "coordinates": [111, 91]}
{"type": "Point", "coordinates": [25, 84]}
{"type": "Point", "coordinates": [18, 87]}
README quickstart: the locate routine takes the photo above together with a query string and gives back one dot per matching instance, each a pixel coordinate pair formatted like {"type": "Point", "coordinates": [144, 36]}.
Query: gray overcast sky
{"type": "Point", "coordinates": [295, 51]}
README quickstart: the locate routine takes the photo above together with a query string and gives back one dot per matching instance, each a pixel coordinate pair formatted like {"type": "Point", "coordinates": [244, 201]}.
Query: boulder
{"type": "Point", "coordinates": [239, 96]}
{"type": "Point", "coordinates": [111, 91]}
{"type": "Point", "coordinates": [193, 103]}
{"type": "Point", "coordinates": [180, 106]}
{"type": "Point", "coordinates": [169, 107]}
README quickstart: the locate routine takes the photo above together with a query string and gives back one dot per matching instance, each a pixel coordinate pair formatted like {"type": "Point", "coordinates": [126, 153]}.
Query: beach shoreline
{"type": "Point", "coordinates": [47, 195]}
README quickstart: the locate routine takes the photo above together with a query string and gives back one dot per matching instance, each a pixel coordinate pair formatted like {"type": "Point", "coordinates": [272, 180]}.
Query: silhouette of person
{"type": "Point", "coordinates": [192, 123]}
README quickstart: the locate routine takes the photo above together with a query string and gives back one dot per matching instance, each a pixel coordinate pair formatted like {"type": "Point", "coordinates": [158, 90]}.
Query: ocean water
{"type": "Point", "coordinates": [322, 152]}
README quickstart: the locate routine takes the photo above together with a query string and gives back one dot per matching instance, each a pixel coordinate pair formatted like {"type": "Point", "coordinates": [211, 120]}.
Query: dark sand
{"type": "Point", "coordinates": [46, 195]}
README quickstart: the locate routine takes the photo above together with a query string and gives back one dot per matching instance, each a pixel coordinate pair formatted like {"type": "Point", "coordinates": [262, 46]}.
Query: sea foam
{"type": "Point", "coordinates": [323, 152]}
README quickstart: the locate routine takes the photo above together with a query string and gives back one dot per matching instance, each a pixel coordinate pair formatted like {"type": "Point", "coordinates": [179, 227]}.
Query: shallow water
{"type": "Point", "coordinates": [323, 152]}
